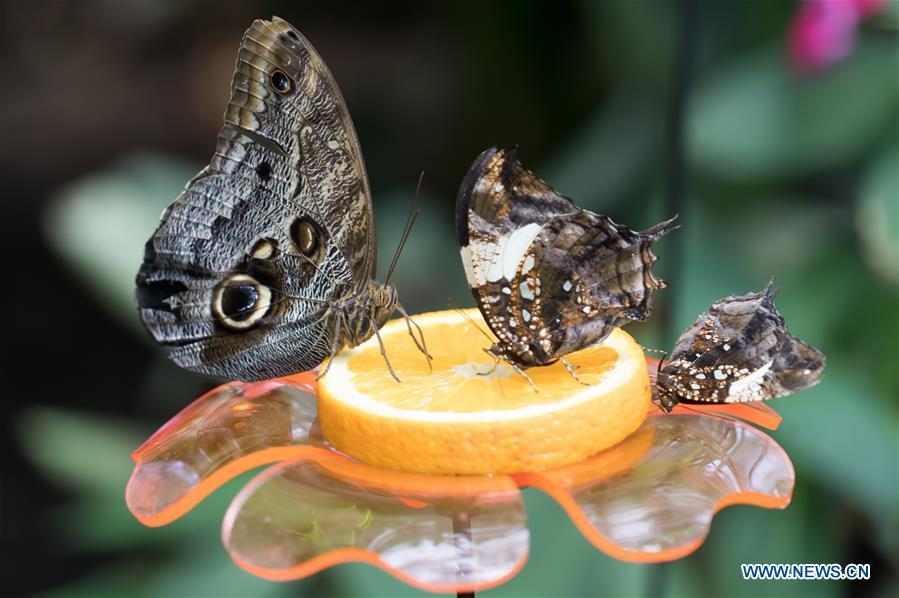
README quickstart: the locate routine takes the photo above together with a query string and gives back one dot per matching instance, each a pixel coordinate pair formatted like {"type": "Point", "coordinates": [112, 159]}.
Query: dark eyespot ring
{"type": "Point", "coordinates": [240, 301]}
{"type": "Point", "coordinates": [264, 170]}
{"type": "Point", "coordinates": [306, 235]}
{"type": "Point", "coordinates": [293, 34]}
{"type": "Point", "coordinates": [281, 82]}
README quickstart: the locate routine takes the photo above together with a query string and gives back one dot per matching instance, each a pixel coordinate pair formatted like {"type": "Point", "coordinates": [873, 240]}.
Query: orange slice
{"type": "Point", "coordinates": [473, 416]}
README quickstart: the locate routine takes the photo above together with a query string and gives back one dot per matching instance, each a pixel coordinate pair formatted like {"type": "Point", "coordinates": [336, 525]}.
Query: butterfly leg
{"type": "Point", "coordinates": [495, 363]}
{"type": "Point", "coordinates": [571, 371]}
{"type": "Point", "coordinates": [384, 355]}
{"type": "Point", "coordinates": [520, 371]}
{"type": "Point", "coordinates": [422, 346]}
{"type": "Point", "coordinates": [335, 345]}
{"type": "Point", "coordinates": [524, 375]}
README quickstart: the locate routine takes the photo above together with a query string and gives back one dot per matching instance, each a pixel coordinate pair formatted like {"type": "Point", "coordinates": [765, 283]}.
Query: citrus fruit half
{"type": "Point", "coordinates": [471, 415]}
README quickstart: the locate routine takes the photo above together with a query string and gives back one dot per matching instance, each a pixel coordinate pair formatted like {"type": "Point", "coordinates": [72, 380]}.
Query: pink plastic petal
{"type": "Point", "coordinates": [438, 533]}
{"type": "Point", "coordinates": [652, 497]}
{"type": "Point", "coordinates": [225, 432]}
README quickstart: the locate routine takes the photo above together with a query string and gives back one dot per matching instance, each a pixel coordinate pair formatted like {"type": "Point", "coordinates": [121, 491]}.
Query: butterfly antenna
{"type": "Point", "coordinates": [455, 306]}
{"type": "Point", "coordinates": [410, 221]}
{"type": "Point", "coordinates": [657, 351]}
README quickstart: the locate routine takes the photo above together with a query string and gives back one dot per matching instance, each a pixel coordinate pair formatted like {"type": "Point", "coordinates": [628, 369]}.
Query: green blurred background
{"type": "Point", "coordinates": [109, 107]}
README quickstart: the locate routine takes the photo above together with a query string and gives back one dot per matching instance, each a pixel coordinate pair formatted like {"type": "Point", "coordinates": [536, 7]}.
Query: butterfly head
{"type": "Point", "coordinates": [366, 313]}
{"type": "Point", "coordinates": [383, 299]}
{"type": "Point", "coordinates": [663, 393]}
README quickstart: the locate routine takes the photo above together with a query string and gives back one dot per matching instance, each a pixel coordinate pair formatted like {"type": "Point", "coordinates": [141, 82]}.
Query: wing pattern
{"type": "Point", "coordinates": [550, 278]}
{"type": "Point", "coordinates": [738, 351]}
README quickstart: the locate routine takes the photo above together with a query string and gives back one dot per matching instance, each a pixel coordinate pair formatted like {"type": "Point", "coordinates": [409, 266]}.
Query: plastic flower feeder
{"type": "Point", "coordinates": [649, 498]}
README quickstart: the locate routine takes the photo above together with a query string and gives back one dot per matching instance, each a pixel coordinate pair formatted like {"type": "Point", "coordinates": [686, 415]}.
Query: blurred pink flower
{"type": "Point", "coordinates": [823, 31]}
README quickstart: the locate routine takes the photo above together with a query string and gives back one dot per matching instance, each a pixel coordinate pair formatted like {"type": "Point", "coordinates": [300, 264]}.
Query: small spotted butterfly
{"type": "Point", "coordinates": [738, 351]}
{"type": "Point", "coordinates": [549, 277]}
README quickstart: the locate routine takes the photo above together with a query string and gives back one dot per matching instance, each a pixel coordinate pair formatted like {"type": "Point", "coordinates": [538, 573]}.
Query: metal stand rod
{"type": "Point", "coordinates": [462, 541]}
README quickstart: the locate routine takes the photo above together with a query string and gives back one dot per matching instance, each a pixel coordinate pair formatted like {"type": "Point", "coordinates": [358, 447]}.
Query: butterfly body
{"type": "Point", "coordinates": [738, 351]}
{"type": "Point", "coordinates": [263, 266]}
{"type": "Point", "coordinates": [549, 278]}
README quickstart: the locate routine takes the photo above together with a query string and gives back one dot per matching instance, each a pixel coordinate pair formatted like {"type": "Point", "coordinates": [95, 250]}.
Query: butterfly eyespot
{"type": "Point", "coordinates": [264, 170]}
{"type": "Point", "coordinates": [264, 249]}
{"type": "Point", "coordinates": [305, 235]}
{"type": "Point", "coordinates": [280, 81]}
{"type": "Point", "coordinates": [240, 301]}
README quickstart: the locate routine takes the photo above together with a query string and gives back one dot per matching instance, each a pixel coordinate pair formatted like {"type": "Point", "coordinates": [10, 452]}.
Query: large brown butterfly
{"type": "Point", "coordinates": [549, 278]}
{"type": "Point", "coordinates": [263, 266]}
{"type": "Point", "coordinates": [739, 350]}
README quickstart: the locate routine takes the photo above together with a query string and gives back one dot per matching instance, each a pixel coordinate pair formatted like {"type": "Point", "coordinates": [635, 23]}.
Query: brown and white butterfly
{"type": "Point", "coordinates": [263, 266]}
{"type": "Point", "coordinates": [549, 278]}
{"type": "Point", "coordinates": [738, 351]}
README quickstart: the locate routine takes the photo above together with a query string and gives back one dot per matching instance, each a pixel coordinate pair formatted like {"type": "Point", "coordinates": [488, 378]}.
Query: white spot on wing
{"type": "Point", "coordinates": [513, 248]}
{"type": "Point", "coordinates": [466, 264]}
{"type": "Point", "coordinates": [528, 264]}
{"type": "Point", "coordinates": [748, 387]}
{"type": "Point", "coordinates": [525, 290]}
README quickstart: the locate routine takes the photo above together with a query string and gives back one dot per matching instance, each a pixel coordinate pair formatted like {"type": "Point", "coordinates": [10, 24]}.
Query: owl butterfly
{"type": "Point", "coordinates": [263, 265]}
{"type": "Point", "coordinates": [548, 277]}
{"type": "Point", "coordinates": [738, 351]}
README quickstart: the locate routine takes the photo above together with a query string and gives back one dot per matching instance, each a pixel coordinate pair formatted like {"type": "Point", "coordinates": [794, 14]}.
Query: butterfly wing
{"type": "Point", "coordinates": [324, 170]}
{"type": "Point", "coordinates": [246, 261]}
{"type": "Point", "coordinates": [549, 278]}
{"type": "Point", "coordinates": [594, 276]}
{"type": "Point", "coordinates": [738, 351]}
{"type": "Point", "coordinates": [500, 209]}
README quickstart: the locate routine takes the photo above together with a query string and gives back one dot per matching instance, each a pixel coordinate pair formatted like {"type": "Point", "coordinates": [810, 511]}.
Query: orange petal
{"type": "Point", "coordinates": [653, 496]}
{"type": "Point", "coordinates": [297, 518]}
{"type": "Point", "coordinates": [225, 432]}
{"type": "Point", "coordinates": [756, 413]}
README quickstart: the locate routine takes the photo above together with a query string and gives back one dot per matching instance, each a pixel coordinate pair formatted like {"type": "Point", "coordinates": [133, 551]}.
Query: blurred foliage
{"type": "Point", "coordinates": [790, 177]}
{"type": "Point", "coordinates": [787, 126]}
{"type": "Point", "coordinates": [126, 201]}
